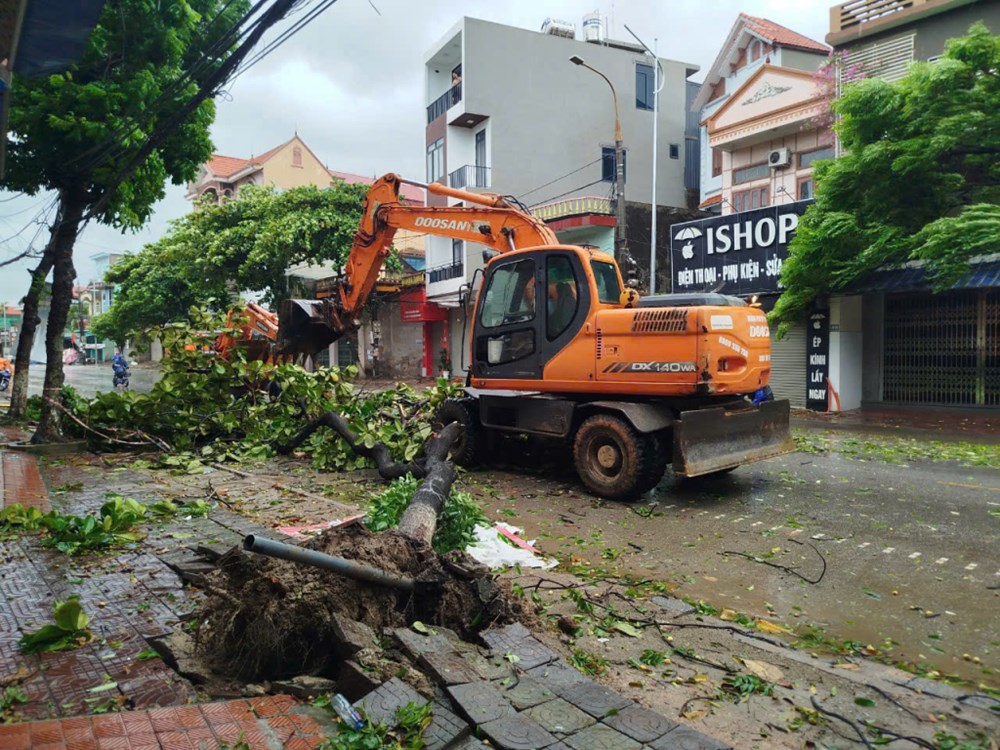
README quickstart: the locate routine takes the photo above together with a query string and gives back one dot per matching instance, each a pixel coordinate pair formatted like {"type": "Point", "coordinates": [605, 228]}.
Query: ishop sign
{"type": "Point", "coordinates": [736, 254]}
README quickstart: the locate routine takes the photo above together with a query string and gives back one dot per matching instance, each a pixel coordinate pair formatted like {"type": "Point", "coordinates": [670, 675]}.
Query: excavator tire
{"type": "Point", "coordinates": [612, 459]}
{"type": "Point", "coordinates": [462, 410]}
{"type": "Point", "coordinates": [657, 466]}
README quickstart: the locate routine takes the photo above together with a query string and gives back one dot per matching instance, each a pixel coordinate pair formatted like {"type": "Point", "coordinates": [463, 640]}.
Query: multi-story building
{"type": "Point", "coordinates": [920, 348]}
{"type": "Point", "coordinates": [761, 109]}
{"type": "Point", "coordinates": [508, 112]}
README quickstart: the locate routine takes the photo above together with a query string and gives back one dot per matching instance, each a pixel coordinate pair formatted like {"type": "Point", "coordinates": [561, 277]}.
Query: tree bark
{"type": "Point", "coordinates": [29, 324]}
{"type": "Point", "coordinates": [72, 205]}
{"type": "Point", "coordinates": [419, 520]}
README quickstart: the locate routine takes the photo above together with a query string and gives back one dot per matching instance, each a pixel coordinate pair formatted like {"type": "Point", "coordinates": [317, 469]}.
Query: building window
{"type": "Point", "coordinates": [749, 200]}
{"type": "Point", "coordinates": [608, 164]}
{"type": "Point", "coordinates": [644, 87]}
{"type": "Point", "coordinates": [675, 151]}
{"type": "Point", "coordinates": [296, 157]}
{"type": "Point", "coordinates": [746, 174]}
{"type": "Point", "coordinates": [808, 158]}
{"type": "Point", "coordinates": [457, 252]}
{"type": "Point", "coordinates": [805, 189]}
{"type": "Point", "coordinates": [754, 50]}
{"type": "Point", "coordinates": [435, 161]}
{"type": "Point", "coordinates": [716, 162]}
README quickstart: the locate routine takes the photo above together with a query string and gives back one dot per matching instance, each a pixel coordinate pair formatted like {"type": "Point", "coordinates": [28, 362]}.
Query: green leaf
{"type": "Point", "coordinates": [628, 629]}
{"type": "Point", "coordinates": [69, 615]}
{"type": "Point", "coordinates": [866, 702]}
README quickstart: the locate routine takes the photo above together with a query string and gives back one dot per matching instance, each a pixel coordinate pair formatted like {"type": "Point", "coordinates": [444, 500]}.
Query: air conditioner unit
{"type": "Point", "coordinates": [779, 157]}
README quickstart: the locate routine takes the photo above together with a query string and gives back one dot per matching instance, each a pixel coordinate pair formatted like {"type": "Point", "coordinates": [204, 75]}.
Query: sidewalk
{"type": "Point", "coordinates": [981, 426]}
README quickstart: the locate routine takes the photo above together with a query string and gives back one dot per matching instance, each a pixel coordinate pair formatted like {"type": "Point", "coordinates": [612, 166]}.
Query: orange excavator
{"type": "Point", "coordinates": [562, 350]}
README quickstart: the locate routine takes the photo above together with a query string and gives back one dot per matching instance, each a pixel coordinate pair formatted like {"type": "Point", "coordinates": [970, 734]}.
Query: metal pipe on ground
{"type": "Point", "coordinates": [339, 565]}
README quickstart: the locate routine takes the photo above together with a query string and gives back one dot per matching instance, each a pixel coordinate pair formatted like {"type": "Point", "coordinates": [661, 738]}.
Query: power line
{"type": "Point", "coordinates": [561, 195]}
{"type": "Point", "coordinates": [568, 174]}
{"type": "Point", "coordinates": [282, 38]}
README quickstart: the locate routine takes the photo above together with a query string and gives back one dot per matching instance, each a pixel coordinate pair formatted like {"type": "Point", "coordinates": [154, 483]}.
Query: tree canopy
{"type": "Point", "coordinates": [242, 244]}
{"type": "Point", "coordinates": [919, 179]}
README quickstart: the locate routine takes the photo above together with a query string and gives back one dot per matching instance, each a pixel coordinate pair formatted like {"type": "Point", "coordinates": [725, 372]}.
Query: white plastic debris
{"type": "Point", "coordinates": [494, 551]}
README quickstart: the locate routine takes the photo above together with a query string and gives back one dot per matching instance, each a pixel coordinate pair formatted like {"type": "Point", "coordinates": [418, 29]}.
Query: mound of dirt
{"type": "Point", "coordinates": [268, 619]}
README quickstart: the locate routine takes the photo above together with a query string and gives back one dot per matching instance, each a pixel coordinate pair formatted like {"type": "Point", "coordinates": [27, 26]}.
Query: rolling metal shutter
{"type": "Point", "coordinates": [788, 365]}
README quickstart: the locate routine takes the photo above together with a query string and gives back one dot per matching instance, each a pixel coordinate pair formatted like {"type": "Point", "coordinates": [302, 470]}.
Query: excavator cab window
{"type": "Point", "coordinates": [609, 288]}
{"type": "Point", "coordinates": [509, 301]}
{"type": "Point", "coordinates": [562, 295]}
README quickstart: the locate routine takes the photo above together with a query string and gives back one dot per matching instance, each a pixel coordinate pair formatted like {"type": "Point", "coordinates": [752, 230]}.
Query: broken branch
{"type": "Point", "coordinates": [778, 566]}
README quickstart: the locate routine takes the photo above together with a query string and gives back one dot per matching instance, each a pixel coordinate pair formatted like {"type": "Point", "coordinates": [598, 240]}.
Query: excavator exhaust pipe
{"type": "Point", "coordinates": [306, 326]}
{"type": "Point", "coordinates": [711, 440]}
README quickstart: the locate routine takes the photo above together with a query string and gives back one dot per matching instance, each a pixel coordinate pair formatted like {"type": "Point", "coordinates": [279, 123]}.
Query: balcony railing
{"type": "Point", "coordinates": [471, 175]}
{"type": "Point", "coordinates": [444, 273]}
{"type": "Point", "coordinates": [849, 16]}
{"type": "Point", "coordinates": [439, 106]}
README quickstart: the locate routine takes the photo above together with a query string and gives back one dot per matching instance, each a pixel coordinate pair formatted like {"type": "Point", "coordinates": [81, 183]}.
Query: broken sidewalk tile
{"type": "Point", "coordinates": [449, 668]}
{"type": "Point", "coordinates": [674, 607]}
{"type": "Point", "coordinates": [517, 732]}
{"type": "Point", "coordinates": [524, 692]}
{"type": "Point", "coordinates": [305, 686]}
{"type": "Point", "coordinates": [557, 675]}
{"type": "Point", "coordinates": [417, 644]}
{"type": "Point", "coordinates": [445, 729]}
{"type": "Point", "coordinates": [480, 702]}
{"type": "Point", "coordinates": [353, 681]}
{"type": "Point", "coordinates": [685, 738]}
{"type": "Point", "coordinates": [352, 636]}
{"type": "Point", "coordinates": [380, 706]}
{"type": "Point", "coordinates": [640, 723]}
{"type": "Point", "coordinates": [559, 717]}
{"type": "Point", "coordinates": [503, 639]}
{"type": "Point", "coordinates": [595, 699]}
{"type": "Point", "coordinates": [601, 737]}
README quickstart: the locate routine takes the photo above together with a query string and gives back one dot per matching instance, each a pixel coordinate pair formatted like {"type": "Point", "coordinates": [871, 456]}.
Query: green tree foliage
{"type": "Point", "coordinates": [106, 135]}
{"type": "Point", "coordinates": [919, 178]}
{"type": "Point", "coordinates": [247, 243]}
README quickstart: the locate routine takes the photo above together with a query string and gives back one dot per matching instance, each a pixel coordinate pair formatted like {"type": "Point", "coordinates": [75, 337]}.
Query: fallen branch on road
{"type": "Point", "coordinates": [827, 712]}
{"type": "Point", "coordinates": [785, 568]}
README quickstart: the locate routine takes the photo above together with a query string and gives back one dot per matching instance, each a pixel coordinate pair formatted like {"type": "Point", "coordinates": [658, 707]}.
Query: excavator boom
{"type": "Point", "coordinates": [306, 326]}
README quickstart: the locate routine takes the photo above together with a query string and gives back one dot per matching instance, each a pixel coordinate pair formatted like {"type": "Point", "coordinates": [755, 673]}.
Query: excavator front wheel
{"type": "Point", "coordinates": [612, 459]}
{"type": "Point", "coordinates": [462, 410]}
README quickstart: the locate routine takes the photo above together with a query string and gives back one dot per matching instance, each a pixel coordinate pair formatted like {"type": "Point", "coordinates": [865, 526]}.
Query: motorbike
{"type": "Point", "coordinates": [121, 375]}
{"type": "Point", "coordinates": [4, 379]}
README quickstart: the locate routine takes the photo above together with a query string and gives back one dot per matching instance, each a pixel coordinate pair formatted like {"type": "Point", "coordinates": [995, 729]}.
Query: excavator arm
{"type": "Point", "coordinates": [306, 326]}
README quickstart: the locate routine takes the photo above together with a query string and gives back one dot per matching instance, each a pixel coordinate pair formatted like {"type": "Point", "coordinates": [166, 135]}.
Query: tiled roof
{"type": "Point", "coordinates": [782, 36]}
{"type": "Point", "coordinates": [711, 201]}
{"type": "Point", "coordinates": [413, 194]}
{"type": "Point", "coordinates": [224, 166]}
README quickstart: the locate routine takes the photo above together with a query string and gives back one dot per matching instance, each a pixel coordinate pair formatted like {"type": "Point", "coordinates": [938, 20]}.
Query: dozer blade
{"type": "Point", "coordinates": [716, 439]}
{"type": "Point", "coordinates": [304, 327]}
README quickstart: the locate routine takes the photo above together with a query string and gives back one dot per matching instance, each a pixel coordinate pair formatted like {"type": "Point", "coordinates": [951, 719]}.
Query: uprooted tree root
{"type": "Point", "coordinates": [272, 619]}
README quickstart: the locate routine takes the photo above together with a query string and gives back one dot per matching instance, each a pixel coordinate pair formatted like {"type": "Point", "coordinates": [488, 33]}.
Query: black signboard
{"type": "Point", "coordinates": [737, 254]}
{"type": "Point", "coordinates": [817, 359]}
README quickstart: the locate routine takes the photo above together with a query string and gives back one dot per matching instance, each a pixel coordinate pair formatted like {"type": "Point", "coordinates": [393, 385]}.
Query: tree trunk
{"type": "Point", "coordinates": [67, 225]}
{"type": "Point", "coordinates": [29, 324]}
{"type": "Point", "coordinates": [419, 520]}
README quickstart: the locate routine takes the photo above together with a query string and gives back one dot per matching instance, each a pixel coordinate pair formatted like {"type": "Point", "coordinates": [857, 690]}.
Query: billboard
{"type": "Point", "coordinates": [738, 254]}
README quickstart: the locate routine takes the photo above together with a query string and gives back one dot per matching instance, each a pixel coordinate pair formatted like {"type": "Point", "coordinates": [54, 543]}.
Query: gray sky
{"type": "Point", "coordinates": [351, 84]}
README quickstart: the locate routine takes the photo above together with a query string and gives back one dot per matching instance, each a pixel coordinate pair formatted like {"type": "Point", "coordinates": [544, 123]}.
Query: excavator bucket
{"type": "Point", "coordinates": [717, 439]}
{"type": "Point", "coordinates": [304, 327]}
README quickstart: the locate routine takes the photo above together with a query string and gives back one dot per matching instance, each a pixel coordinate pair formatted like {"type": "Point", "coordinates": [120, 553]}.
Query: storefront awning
{"type": "Point", "coordinates": [984, 274]}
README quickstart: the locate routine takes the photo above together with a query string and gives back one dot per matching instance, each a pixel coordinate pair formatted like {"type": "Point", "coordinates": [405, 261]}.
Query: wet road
{"type": "Point", "coordinates": [89, 379]}
{"type": "Point", "coordinates": [911, 551]}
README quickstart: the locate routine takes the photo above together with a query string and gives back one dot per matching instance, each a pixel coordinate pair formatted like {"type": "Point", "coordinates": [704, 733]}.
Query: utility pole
{"type": "Point", "coordinates": [621, 243]}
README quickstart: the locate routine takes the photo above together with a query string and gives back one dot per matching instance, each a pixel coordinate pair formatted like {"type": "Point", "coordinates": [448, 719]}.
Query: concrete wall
{"type": "Point", "coordinates": [873, 313]}
{"type": "Point", "coordinates": [548, 117]}
{"type": "Point", "coordinates": [847, 350]}
{"type": "Point", "coordinates": [280, 169]}
{"type": "Point", "coordinates": [402, 345]}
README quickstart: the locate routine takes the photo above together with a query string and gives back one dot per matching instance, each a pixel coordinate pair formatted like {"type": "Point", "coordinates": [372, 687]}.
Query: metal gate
{"type": "Point", "coordinates": [788, 365]}
{"type": "Point", "coordinates": [942, 349]}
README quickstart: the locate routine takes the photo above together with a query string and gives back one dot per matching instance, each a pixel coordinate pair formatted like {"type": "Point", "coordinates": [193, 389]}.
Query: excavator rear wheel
{"type": "Point", "coordinates": [462, 410]}
{"type": "Point", "coordinates": [612, 459]}
{"type": "Point", "coordinates": [656, 467]}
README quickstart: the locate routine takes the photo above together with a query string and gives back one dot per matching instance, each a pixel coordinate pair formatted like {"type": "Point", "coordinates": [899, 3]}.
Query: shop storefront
{"type": "Point", "coordinates": [741, 255]}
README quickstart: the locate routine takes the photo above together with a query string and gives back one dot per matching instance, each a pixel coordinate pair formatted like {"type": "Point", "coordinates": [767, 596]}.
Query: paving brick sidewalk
{"type": "Point", "coordinates": [269, 723]}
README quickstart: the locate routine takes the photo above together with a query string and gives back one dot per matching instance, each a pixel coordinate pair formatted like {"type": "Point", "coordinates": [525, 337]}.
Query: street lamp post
{"type": "Point", "coordinates": [621, 244]}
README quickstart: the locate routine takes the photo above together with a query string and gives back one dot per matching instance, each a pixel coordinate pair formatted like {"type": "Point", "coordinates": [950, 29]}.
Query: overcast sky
{"type": "Point", "coordinates": [351, 84]}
